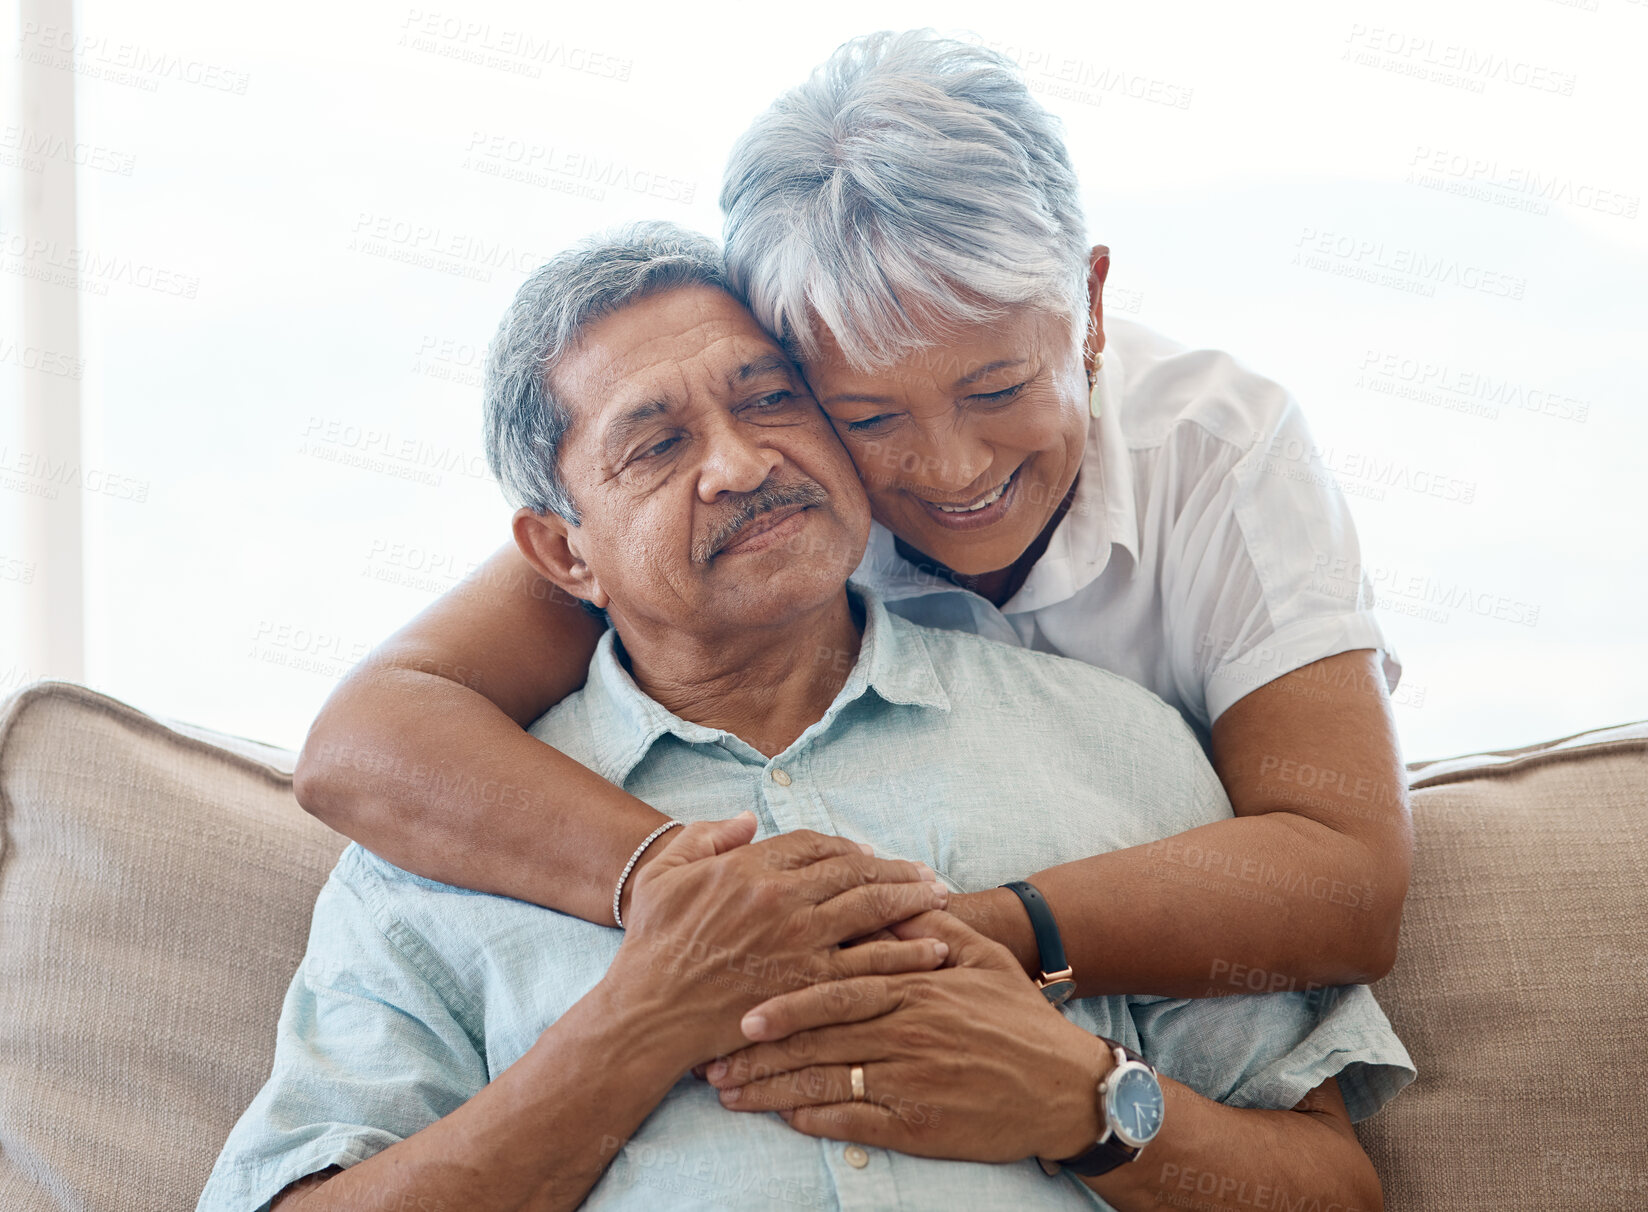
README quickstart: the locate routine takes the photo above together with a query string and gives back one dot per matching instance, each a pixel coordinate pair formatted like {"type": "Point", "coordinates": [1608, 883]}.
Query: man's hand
{"type": "Point", "coordinates": [999, 915]}
{"type": "Point", "coordinates": [718, 925]}
{"type": "Point", "coordinates": [967, 1062]}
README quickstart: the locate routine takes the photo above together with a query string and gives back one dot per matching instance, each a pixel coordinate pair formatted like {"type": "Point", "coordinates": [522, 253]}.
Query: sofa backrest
{"type": "Point", "coordinates": [1521, 983]}
{"type": "Point", "coordinates": [156, 883]}
{"type": "Point", "coordinates": [155, 892]}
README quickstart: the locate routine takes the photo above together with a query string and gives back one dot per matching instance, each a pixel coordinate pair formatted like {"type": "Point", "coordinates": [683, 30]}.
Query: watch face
{"type": "Point", "coordinates": [1135, 1105]}
{"type": "Point", "coordinates": [1058, 992]}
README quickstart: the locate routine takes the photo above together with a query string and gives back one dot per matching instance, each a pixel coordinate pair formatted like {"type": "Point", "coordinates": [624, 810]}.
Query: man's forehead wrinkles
{"type": "Point", "coordinates": [660, 350]}
{"type": "Point", "coordinates": [668, 386]}
{"type": "Point", "coordinates": [759, 364]}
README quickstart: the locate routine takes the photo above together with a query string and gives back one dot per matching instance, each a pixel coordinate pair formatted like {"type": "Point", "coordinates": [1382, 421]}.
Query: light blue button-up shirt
{"type": "Point", "coordinates": [987, 762]}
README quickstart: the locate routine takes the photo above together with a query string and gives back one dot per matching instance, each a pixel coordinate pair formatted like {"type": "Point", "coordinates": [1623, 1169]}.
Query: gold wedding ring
{"type": "Point", "coordinates": [858, 1083]}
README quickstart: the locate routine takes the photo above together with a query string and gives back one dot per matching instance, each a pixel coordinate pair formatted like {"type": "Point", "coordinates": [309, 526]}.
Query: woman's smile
{"type": "Point", "coordinates": [977, 513]}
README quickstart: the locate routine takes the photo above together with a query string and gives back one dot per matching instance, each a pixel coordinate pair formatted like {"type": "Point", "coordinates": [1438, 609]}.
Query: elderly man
{"type": "Point", "coordinates": [441, 1048]}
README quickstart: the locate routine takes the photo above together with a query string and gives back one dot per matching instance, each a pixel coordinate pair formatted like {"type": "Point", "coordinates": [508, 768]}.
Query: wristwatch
{"type": "Point", "coordinates": [1131, 1107]}
{"type": "Point", "coordinates": [1056, 982]}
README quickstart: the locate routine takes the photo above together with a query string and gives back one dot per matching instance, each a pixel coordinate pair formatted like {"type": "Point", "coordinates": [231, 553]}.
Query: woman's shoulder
{"type": "Point", "coordinates": [1172, 392]}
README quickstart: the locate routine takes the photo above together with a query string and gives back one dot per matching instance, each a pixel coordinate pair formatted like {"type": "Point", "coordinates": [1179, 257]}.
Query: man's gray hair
{"type": "Point", "coordinates": [525, 420]}
{"type": "Point", "coordinates": [909, 169]}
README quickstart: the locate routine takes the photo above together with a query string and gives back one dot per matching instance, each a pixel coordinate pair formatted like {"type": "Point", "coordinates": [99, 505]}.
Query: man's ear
{"type": "Point", "coordinates": [1098, 269]}
{"type": "Point", "coordinates": [550, 544]}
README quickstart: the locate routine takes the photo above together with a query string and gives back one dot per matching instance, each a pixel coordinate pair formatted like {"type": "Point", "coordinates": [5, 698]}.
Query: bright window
{"type": "Point", "coordinates": [299, 225]}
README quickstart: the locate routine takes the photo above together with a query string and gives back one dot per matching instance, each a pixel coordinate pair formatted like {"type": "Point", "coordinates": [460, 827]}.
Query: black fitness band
{"type": "Point", "coordinates": [1057, 981]}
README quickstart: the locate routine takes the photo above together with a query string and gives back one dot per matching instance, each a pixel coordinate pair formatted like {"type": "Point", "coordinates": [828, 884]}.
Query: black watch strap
{"type": "Point", "coordinates": [1049, 944]}
{"type": "Point", "coordinates": [1104, 1156]}
{"type": "Point", "coordinates": [1098, 1159]}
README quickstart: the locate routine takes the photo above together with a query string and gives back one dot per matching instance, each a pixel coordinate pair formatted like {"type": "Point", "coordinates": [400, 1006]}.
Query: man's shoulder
{"type": "Point", "coordinates": [566, 726]}
{"type": "Point", "coordinates": [977, 671]}
{"type": "Point", "coordinates": [371, 911]}
{"type": "Point", "coordinates": [359, 922]}
{"type": "Point", "coordinates": [366, 886]}
{"type": "Point", "coordinates": [1074, 729]}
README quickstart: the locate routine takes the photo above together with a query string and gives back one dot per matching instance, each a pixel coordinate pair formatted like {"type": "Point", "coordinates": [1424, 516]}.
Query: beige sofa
{"type": "Point", "coordinates": [156, 882]}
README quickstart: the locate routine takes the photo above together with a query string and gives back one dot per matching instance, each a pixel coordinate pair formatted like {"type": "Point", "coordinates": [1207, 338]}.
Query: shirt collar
{"type": "Point", "coordinates": [1102, 516]}
{"type": "Point", "coordinates": [625, 722]}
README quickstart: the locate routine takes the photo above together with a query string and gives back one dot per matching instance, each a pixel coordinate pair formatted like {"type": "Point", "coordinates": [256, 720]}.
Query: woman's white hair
{"type": "Point", "coordinates": [909, 173]}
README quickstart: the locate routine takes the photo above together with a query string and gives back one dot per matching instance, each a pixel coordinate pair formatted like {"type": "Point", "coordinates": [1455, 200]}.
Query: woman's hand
{"type": "Point", "coordinates": [967, 1062]}
{"type": "Point", "coordinates": [718, 924]}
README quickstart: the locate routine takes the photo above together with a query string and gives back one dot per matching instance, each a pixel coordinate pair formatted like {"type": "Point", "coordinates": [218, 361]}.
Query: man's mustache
{"type": "Point", "coordinates": [762, 500]}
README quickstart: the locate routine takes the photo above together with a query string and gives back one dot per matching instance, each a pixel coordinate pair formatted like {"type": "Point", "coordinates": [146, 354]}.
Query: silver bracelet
{"type": "Point", "coordinates": [618, 892]}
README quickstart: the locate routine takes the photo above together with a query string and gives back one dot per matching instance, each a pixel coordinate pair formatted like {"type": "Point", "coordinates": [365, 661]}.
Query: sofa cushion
{"type": "Point", "coordinates": [1521, 982]}
{"type": "Point", "coordinates": [156, 882]}
{"type": "Point", "coordinates": [155, 890]}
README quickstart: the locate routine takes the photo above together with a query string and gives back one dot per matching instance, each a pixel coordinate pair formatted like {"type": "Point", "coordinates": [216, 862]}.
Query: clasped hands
{"type": "Point", "coordinates": [792, 960]}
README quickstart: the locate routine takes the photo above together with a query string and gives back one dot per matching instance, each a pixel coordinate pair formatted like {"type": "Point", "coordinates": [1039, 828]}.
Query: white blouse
{"type": "Point", "coordinates": [1208, 549]}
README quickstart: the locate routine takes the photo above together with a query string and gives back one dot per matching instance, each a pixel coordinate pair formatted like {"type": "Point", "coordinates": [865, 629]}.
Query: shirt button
{"type": "Point", "coordinates": [782, 779]}
{"type": "Point", "coordinates": [857, 1158]}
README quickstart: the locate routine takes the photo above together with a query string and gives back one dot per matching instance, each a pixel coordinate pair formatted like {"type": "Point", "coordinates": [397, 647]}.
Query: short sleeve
{"type": "Point", "coordinates": [368, 1051]}
{"type": "Point", "coordinates": [1264, 573]}
{"type": "Point", "coordinates": [1269, 1050]}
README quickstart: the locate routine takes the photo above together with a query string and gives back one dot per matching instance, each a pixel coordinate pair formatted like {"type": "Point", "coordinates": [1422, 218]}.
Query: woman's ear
{"type": "Point", "coordinates": [1098, 268]}
{"type": "Point", "coordinates": [549, 543]}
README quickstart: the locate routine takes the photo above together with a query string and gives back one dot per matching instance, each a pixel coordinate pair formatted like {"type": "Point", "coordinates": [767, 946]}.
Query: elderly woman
{"type": "Point", "coordinates": [908, 223]}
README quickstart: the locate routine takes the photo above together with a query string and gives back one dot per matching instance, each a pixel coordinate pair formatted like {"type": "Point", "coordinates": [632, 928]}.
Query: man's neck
{"type": "Point", "coordinates": [765, 686]}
